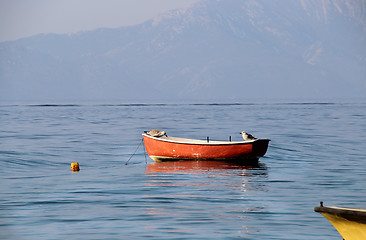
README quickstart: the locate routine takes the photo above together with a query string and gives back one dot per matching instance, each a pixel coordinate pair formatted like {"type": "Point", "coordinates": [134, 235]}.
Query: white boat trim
{"type": "Point", "coordinates": [199, 142]}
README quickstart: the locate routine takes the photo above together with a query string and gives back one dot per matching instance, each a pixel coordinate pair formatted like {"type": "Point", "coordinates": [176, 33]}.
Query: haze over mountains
{"type": "Point", "coordinates": [228, 50]}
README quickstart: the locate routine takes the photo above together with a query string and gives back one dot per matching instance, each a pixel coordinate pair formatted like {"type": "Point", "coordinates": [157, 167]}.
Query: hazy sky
{"type": "Point", "coordinates": [23, 18]}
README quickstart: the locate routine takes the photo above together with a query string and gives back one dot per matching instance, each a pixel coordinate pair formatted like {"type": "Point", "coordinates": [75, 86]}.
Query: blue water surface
{"type": "Point", "coordinates": [317, 153]}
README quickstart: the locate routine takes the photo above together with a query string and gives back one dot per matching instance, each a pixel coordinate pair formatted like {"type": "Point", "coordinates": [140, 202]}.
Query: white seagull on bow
{"type": "Point", "coordinates": [247, 137]}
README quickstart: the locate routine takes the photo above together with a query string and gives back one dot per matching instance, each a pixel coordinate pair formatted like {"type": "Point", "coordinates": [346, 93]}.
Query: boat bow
{"type": "Point", "coordinates": [349, 222]}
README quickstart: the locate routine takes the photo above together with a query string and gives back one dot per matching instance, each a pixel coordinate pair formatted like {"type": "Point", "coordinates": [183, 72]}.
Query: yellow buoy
{"type": "Point", "coordinates": [75, 167]}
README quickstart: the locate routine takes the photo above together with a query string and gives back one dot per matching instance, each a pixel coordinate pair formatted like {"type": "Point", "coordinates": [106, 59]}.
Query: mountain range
{"type": "Point", "coordinates": [231, 50]}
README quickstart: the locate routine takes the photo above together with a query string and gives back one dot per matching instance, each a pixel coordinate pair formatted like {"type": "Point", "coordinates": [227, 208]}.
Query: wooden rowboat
{"type": "Point", "coordinates": [172, 149]}
{"type": "Point", "coordinates": [349, 222]}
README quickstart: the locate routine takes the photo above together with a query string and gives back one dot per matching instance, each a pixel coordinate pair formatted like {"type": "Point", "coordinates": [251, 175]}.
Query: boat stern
{"type": "Point", "coordinates": [350, 223]}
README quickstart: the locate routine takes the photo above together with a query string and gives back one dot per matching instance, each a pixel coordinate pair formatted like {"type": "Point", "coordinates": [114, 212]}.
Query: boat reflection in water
{"type": "Point", "coordinates": [193, 195]}
{"type": "Point", "coordinates": [207, 167]}
{"type": "Point", "coordinates": [211, 173]}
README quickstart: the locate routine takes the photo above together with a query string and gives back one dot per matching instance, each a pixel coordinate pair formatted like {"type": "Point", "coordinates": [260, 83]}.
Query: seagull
{"type": "Point", "coordinates": [156, 133]}
{"type": "Point", "coordinates": [247, 137]}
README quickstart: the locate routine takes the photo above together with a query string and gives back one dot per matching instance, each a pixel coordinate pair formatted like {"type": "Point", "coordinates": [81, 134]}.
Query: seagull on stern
{"type": "Point", "coordinates": [156, 133]}
{"type": "Point", "coordinates": [247, 137]}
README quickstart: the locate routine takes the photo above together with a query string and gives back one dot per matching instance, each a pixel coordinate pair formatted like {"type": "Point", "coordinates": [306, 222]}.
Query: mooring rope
{"type": "Point", "coordinates": [135, 152]}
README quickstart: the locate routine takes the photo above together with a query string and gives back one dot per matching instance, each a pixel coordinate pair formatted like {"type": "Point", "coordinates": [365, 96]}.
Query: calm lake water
{"type": "Point", "coordinates": [317, 153]}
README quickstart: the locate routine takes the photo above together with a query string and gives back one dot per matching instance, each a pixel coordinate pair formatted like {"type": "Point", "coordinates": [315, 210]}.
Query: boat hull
{"type": "Point", "coordinates": [350, 223]}
{"type": "Point", "coordinates": [165, 149]}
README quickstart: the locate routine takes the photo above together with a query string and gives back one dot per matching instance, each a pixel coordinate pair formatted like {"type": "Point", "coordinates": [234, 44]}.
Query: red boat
{"type": "Point", "coordinates": [172, 149]}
